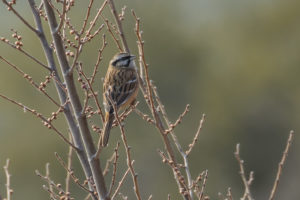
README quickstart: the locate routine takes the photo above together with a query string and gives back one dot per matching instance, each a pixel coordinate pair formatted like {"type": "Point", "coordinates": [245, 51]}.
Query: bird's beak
{"type": "Point", "coordinates": [132, 57]}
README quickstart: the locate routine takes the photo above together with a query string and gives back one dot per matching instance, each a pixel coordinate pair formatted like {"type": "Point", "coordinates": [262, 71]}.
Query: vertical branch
{"type": "Point", "coordinates": [119, 24]}
{"type": "Point", "coordinates": [69, 166]}
{"type": "Point", "coordinates": [61, 93]}
{"type": "Point", "coordinates": [127, 149]}
{"type": "Point", "coordinates": [48, 177]}
{"type": "Point", "coordinates": [280, 165]}
{"type": "Point", "coordinates": [148, 94]}
{"type": "Point", "coordinates": [76, 104]}
{"type": "Point", "coordinates": [8, 190]}
{"type": "Point", "coordinates": [247, 193]}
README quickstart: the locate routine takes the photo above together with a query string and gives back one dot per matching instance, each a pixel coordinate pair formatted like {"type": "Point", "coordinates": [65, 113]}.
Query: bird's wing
{"type": "Point", "coordinates": [119, 88]}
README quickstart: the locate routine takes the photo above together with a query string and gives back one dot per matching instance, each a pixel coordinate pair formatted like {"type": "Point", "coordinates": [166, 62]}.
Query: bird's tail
{"type": "Point", "coordinates": [109, 119]}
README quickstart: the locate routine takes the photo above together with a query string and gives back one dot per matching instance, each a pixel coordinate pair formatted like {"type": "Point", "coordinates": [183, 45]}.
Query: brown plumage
{"type": "Point", "coordinates": [120, 86]}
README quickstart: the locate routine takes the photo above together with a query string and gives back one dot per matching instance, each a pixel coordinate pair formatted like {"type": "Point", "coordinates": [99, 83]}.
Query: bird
{"type": "Point", "coordinates": [120, 89]}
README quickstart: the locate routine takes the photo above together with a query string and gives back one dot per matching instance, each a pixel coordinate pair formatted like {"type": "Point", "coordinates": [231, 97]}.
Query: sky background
{"type": "Point", "coordinates": [236, 61]}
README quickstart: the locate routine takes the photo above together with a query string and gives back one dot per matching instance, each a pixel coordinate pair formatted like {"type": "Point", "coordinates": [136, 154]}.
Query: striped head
{"type": "Point", "coordinates": [123, 60]}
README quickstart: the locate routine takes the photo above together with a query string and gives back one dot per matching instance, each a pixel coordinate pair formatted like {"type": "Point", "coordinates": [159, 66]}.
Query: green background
{"type": "Point", "coordinates": [236, 61]}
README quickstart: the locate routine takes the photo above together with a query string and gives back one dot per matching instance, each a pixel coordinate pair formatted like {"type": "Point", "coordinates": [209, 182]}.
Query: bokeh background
{"type": "Point", "coordinates": [236, 61]}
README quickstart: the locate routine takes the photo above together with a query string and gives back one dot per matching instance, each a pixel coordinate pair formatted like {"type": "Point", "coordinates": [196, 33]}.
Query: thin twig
{"type": "Point", "coordinates": [247, 193]}
{"type": "Point", "coordinates": [281, 164]}
{"type": "Point", "coordinates": [99, 111]}
{"type": "Point", "coordinates": [76, 105]}
{"type": "Point", "coordinates": [147, 90]}
{"type": "Point", "coordinates": [113, 179]}
{"type": "Point", "coordinates": [120, 28]}
{"type": "Point", "coordinates": [127, 149]}
{"type": "Point", "coordinates": [48, 176]}
{"type": "Point", "coordinates": [121, 182]}
{"type": "Point", "coordinates": [179, 120]}
{"type": "Point", "coordinates": [29, 78]}
{"type": "Point", "coordinates": [99, 58]}
{"type": "Point", "coordinates": [9, 191]}
{"type": "Point", "coordinates": [71, 173]}
{"type": "Point", "coordinates": [25, 53]}
{"type": "Point", "coordinates": [201, 195]}
{"type": "Point", "coordinates": [39, 115]}
{"type": "Point", "coordinates": [112, 34]}
{"type": "Point", "coordinates": [62, 17]}
{"type": "Point", "coordinates": [10, 8]}
{"type": "Point", "coordinates": [69, 166]}
{"type": "Point", "coordinates": [196, 135]}
{"type": "Point", "coordinates": [86, 17]}
{"type": "Point", "coordinates": [229, 194]}
{"type": "Point", "coordinates": [93, 22]}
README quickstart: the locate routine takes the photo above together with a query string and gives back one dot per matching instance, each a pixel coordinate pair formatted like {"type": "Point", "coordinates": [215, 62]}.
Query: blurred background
{"type": "Point", "coordinates": [236, 61]}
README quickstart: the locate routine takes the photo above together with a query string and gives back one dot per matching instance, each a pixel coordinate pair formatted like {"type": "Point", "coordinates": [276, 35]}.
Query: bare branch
{"type": "Point", "coordinates": [61, 90]}
{"type": "Point", "coordinates": [45, 121]}
{"type": "Point", "coordinates": [48, 176]}
{"type": "Point", "coordinates": [281, 164]}
{"type": "Point", "coordinates": [99, 111]}
{"type": "Point", "coordinates": [62, 17]}
{"type": "Point", "coordinates": [6, 41]}
{"type": "Point", "coordinates": [29, 78]}
{"type": "Point", "coordinates": [127, 149]}
{"type": "Point", "coordinates": [147, 90]}
{"type": "Point", "coordinates": [119, 24]}
{"type": "Point", "coordinates": [76, 104]}
{"type": "Point", "coordinates": [121, 182]}
{"type": "Point", "coordinates": [247, 193]}
{"type": "Point", "coordinates": [99, 58]}
{"type": "Point", "coordinates": [10, 8]}
{"type": "Point", "coordinates": [9, 191]}
{"type": "Point", "coordinates": [71, 173]}
{"type": "Point", "coordinates": [93, 22]}
{"type": "Point", "coordinates": [201, 194]}
{"type": "Point", "coordinates": [69, 166]}
{"type": "Point", "coordinates": [116, 156]}
{"type": "Point", "coordinates": [196, 135]}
